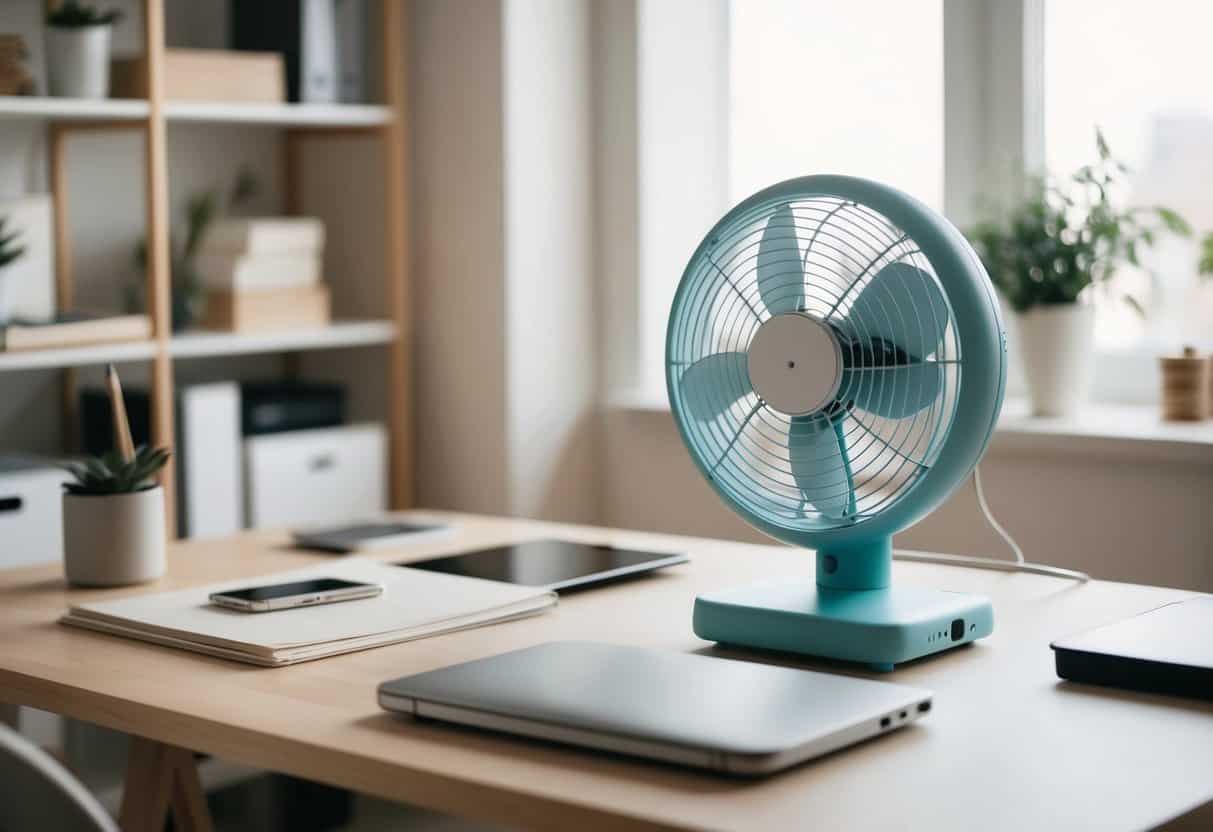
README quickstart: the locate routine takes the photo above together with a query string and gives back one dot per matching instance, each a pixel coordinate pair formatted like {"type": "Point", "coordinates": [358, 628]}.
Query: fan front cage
{"type": "Point", "coordinates": [853, 270]}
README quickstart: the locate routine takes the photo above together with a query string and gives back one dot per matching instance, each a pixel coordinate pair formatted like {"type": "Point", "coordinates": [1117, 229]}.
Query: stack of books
{"type": "Point", "coordinates": [14, 80]}
{"type": "Point", "coordinates": [264, 274]}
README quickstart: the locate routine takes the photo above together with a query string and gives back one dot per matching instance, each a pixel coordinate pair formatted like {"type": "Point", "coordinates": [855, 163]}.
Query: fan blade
{"type": "Point", "coordinates": [780, 273]}
{"type": "Point", "coordinates": [903, 306]}
{"type": "Point", "coordinates": [894, 392]}
{"type": "Point", "coordinates": [820, 465]}
{"type": "Point", "coordinates": [712, 384]}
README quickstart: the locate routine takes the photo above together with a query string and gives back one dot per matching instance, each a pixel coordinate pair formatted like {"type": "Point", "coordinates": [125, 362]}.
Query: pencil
{"type": "Point", "coordinates": [122, 427]}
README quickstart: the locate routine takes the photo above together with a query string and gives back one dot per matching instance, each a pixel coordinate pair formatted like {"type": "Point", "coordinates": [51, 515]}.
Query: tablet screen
{"type": "Point", "coordinates": [555, 564]}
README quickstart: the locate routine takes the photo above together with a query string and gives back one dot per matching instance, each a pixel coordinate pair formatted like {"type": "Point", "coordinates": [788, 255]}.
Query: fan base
{"type": "Point", "coordinates": [877, 627]}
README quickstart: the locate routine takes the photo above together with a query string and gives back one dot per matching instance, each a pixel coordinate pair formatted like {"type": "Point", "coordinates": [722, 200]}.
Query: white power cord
{"type": "Point", "coordinates": [1019, 564]}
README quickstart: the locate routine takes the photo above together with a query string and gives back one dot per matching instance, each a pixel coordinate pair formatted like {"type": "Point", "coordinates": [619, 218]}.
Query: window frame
{"type": "Point", "coordinates": [994, 137]}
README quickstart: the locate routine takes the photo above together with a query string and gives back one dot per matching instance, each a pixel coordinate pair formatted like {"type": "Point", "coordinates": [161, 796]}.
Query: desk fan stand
{"type": "Point", "coordinates": [854, 613]}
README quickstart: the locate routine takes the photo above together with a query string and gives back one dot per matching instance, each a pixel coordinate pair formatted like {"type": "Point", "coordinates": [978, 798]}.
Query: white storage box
{"type": "Point", "coordinates": [312, 478]}
{"type": "Point", "coordinates": [31, 512]}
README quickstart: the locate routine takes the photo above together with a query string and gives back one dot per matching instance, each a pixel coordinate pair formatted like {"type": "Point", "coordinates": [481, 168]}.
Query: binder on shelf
{"type": "Point", "coordinates": [351, 41]}
{"type": "Point", "coordinates": [211, 495]}
{"type": "Point", "coordinates": [304, 31]}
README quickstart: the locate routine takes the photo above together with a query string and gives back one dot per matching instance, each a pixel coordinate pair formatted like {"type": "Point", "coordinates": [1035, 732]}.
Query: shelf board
{"type": "Point", "coordinates": [79, 109]}
{"type": "Point", "coordinates": [204, 344]}
{"type": "Point", "coordinates": [78, 356]}
{"type": "Point", "coordinates": [287, 115]}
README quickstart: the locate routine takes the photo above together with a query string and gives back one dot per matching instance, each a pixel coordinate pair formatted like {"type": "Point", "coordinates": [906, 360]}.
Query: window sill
{"type": "Point", "coordinates": [1110, 431]}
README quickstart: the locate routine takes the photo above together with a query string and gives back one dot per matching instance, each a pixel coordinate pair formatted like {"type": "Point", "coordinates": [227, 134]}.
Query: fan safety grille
{"type": "Point", "coordinates": [878, 426]}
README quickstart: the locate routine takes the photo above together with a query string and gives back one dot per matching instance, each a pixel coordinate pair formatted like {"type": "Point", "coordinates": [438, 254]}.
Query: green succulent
{"type": "Point", "coordinates": [74, 15]}
{"type": "Point", "coordinates": [111, 474]}
{"type": "Point", "coordinates": [1068, 235]}
{"type": "Point", "coordinates": [10, 249]}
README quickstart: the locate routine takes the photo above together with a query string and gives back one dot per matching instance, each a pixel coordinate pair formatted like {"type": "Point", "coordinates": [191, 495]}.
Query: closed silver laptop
{"type": "Point", "coordinates": [720, 714]}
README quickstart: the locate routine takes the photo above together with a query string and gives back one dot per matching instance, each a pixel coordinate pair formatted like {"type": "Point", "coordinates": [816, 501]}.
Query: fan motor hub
{"type": "Point", "coordinates": [795, 363]}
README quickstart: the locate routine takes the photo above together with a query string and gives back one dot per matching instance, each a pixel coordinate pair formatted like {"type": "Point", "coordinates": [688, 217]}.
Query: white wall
{"type": "Point", "coordinates": [506, 369]}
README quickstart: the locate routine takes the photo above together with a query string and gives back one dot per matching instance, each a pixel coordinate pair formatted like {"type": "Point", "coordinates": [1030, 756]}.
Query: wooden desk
{"type": "Point", "coordinates": [1007, 746]}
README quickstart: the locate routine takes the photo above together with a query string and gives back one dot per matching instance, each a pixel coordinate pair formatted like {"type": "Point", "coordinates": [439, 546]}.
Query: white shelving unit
{"type": "Point", "coordinates": [203, 344]}
{"type": "Point", "coordinates": [302, 127]}
{"type": "Point", "coordinates": [283, 115]}
{"type": "Point", "coordinates": [78, 356]}
{"type": "Point", "coordinates": [72, 109]}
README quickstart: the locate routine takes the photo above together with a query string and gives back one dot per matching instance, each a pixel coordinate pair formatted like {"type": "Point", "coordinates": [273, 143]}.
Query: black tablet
{"type": "Point", "coordinates": [553, 564]}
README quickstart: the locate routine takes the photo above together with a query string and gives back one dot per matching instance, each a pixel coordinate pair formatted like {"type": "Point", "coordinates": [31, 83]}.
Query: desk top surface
{"type": "Point", "coordinates": [1007, 745]}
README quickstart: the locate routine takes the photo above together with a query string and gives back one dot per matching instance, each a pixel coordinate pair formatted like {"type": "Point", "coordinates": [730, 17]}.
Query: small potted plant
{"type": "Point", "coordinates": [78, 50]}
{"type": "Point", "coordinates": [113, 519]}
{"type": "Point", "coordinates": [1062, 242]}
{"type": "Point", "coordinates": [10, 251]}
{"type": "Point", "coordinates": [201, 209]}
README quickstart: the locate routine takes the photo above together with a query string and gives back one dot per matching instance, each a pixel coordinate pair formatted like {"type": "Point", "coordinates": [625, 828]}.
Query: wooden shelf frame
{"type": "Point", "coordinates": [386, 123]}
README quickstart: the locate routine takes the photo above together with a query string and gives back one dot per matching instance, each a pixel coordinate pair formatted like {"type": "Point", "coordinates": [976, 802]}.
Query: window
{"type": "Point", "coordinates": [872, 88]}
{"type": "Point", "coordinates": [1140, 71]}
{"type": "Point", "coordinates": [818, 86]}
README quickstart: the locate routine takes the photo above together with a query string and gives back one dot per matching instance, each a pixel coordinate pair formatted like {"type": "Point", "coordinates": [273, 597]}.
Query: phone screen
{"type": "Point", "coordinates": [274, 591]}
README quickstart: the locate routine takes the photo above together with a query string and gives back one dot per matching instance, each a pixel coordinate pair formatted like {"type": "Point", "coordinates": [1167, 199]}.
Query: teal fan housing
{"type": "Point", "coordinates": [836, 363]}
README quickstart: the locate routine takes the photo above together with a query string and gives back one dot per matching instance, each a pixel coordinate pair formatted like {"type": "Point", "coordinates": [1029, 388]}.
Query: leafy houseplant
{"type": "Point", "coordinates": [1065, 239]}
{"type": "Point", "coordinates": [113, 519]}
{"type": "Point", "coordinates": [78, 49]}
{"type": "Point", "coordinates": [201, 209]}
{"type": "Point", "coordinates": [11, 251]}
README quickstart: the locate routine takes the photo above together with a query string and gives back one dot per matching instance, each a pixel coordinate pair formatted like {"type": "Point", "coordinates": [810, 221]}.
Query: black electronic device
{"type": "Point", "coordinates": [278, 406]}
{"type": "Point", "coordinates": [1164, 650]}
{"type": "Point", "coordinates": [554, 564]}
{"type": "Point", "coordinates": [295, 594]}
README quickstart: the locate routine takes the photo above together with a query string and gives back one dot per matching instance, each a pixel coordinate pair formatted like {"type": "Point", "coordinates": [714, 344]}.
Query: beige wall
{"type": "Point", "coordinates": [502, 197]}
{"type": "Point", "coordinates": [527, 187]}
{"type": "Point", "coordinates": [1116, 518]}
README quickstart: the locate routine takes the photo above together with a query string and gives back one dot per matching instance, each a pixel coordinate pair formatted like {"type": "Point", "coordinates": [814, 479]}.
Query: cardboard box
{"type": "Point", "coordinates": [266, 311]}
{"type": "Point", "coordinates": [218, 75]}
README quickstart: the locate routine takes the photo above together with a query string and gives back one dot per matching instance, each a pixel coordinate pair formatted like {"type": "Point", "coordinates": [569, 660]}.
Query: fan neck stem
{"type": "Point", "coordinates": [856, 566]}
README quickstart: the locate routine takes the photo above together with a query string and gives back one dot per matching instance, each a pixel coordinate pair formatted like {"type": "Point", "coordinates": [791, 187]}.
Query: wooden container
{"type": "Point", "coordinates": [298, 307]}
{"type": "Point", "coordinates": [1185, 387]}
{"type": "Point", "coordinates": [206, 75]}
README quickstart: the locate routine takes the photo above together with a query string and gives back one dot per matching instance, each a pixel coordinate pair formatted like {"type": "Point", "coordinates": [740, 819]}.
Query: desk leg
{"type": "Point", "coordinates": [161, 777]}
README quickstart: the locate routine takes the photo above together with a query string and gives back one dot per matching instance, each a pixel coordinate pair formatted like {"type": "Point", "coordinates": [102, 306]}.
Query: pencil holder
{"type": "Point", "coordinates": [1185, 387]}
{"type": "Point", "coordinates": [114, 539]}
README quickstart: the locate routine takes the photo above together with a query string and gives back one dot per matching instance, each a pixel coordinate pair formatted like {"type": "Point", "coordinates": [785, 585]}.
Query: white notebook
{"type": "Point", "coordinates": [414, 604]}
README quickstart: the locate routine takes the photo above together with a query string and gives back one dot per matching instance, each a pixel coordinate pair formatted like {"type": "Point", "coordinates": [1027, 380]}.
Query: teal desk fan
{"type": "Point", "coordinates": [835, 363]}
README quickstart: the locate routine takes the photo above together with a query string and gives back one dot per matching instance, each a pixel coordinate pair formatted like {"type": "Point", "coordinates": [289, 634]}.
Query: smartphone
{"type": "Point", "coordinates": [297, 594]}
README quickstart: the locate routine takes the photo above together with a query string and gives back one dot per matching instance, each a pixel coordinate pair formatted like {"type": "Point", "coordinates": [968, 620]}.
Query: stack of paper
{"type": "Point", "coordinates": [415, 604]}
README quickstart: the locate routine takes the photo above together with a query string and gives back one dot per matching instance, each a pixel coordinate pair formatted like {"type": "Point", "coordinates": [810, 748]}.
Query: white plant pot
{"type": "Point", "coordinates": [1057, 343]}
{"type": "Point", "coordinates": [114, 539]}
{"type": "Point", "coordinates": [78, 60]}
